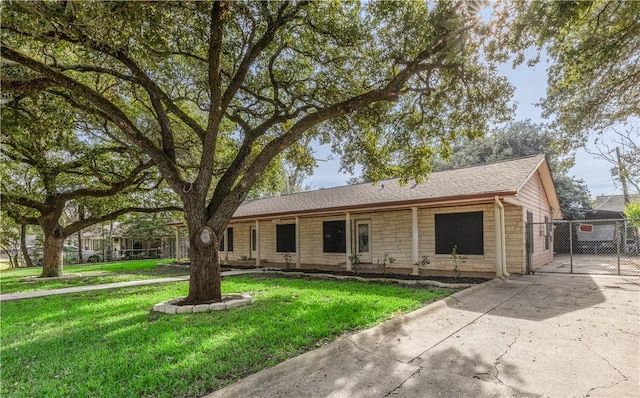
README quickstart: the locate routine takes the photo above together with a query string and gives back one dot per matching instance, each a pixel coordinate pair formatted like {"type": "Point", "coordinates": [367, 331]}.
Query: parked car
{"type": "Point", "coordinates": [92, 256]}
{"type": "Point", "coordinates": [137, 254]}
{"type": "Point", "coordinates": [70, 255]}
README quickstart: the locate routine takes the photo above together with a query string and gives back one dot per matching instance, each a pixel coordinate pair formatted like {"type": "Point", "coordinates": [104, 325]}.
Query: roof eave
{"type": "Point", "coordinates": [405, 204]}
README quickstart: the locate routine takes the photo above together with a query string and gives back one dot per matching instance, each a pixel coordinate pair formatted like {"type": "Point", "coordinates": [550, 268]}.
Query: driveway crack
{"type": "Point", "coordinates": [396, 390]}
{"type": "Point", "coordinates": [373, 352]}
{"type": "Point", "coordinates": [624, 378]}
{"type": "Point", "coordinates": [496, 363]}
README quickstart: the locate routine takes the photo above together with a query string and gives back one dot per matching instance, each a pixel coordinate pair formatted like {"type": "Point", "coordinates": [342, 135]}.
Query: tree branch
{"type": "Point", "coordinates": [27, 86]}
{"type": "Point", "coordinates": [132, 179]}
{"type": "Point", "coordinates": [109, 110]}
{"type": "Point", "coordinates": [98, 69]}
{"type": "Point", "coordinates": [6, 197]}
{"type": "Point", "coordinates": [256, 49]}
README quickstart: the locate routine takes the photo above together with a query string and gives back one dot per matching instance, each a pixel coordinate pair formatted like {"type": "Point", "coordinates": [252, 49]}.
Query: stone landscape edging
{"type": "Point", "coordinates": [170, 307]}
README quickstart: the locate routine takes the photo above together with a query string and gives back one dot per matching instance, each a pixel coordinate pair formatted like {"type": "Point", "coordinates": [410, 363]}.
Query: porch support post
{"type": "Point", "coordinates": [415, 241]}
{"type": "Point", "coordinates": [257, 243]}
{"type": "Point", "coordinates": [178, 243]}
{"type": "Point", "coordinates": [298, 254]}
{"type": "Point", "coordinates": [225, 236]}
{"type": "Point", "coordinates": [501, 250]}
{"type": "Point", "coordinates": [347, 236]}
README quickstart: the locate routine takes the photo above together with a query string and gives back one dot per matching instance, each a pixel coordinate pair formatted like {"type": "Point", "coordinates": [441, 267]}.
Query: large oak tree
{"type": "Point", "coordinates": [212, 92]}
{"type": "Point", "coordinates": [55, 158]}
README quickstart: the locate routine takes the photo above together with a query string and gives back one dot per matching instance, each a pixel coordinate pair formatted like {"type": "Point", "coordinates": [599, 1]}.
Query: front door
{"type": "Point", "coordinates": [363, 236]}
{"type": "Point", "coordinates": [254, 239]}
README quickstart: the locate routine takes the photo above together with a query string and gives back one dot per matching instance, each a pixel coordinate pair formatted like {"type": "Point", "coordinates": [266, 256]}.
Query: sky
{"type": "Point", "coordinates": [530, 87]}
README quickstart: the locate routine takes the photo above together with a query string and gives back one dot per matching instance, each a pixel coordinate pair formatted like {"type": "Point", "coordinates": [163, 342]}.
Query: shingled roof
{"type": "Point", "coordinates": [613, 203]}
{"type": "Point", "coordinates": [501, 178]}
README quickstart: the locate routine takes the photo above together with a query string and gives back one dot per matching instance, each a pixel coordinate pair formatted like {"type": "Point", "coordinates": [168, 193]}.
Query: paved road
{"type": "Point", "coordinates": [542, 335]}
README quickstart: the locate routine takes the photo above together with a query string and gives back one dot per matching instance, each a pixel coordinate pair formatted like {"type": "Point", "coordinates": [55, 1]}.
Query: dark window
{"type": "Point", "coordinates": [286, 238]}
{"type": "Point", "coordinates": [333, 233]}
{"type": "Point", "coordinates": [463, 230]}
{"type": "Point", "coordinates": [230, 236]}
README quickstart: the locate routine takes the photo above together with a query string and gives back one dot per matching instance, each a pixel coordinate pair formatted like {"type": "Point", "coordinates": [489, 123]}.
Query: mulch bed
{"type": "Point", "coordinates": [406, 277]}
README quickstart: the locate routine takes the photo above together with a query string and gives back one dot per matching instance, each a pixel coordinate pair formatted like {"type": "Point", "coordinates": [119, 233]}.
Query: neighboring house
{"type": "Point", "coordinates": [599, 230]}
{"type": "Point", "coordinates": [103, 241]}
{"type": "Point", "coordinates": [481, 210]}
{"type": "Point", "coordinates": [114, 244]}
{"type": "Point", "coordinates": [610, 206]}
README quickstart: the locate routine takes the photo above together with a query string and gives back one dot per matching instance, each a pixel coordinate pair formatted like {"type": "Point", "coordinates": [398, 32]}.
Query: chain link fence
{"type": "Point", "coordinates": [607, 247]}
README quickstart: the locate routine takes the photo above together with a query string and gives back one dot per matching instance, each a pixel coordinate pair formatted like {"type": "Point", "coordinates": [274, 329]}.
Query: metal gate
{"type": "Point", "coordinates": [606, 247]}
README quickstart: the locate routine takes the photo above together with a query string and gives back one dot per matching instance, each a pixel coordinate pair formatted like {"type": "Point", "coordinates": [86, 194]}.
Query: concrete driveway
{"type": "Point", "coordinates": [542, 335]}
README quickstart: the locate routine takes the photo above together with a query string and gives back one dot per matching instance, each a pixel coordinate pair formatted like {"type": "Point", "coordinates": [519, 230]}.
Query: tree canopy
{"type": "Point", "coordinates": [632, 211]}
{"type": "Point", "coordinates": [213, 92]}
{"type": "Point", "coordinates": [520, 139]}
{"type": "Point", "coordinates": [594, 46]}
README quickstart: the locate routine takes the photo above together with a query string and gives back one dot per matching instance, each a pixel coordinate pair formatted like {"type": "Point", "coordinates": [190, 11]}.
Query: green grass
{"type": "Point", "coordinates": [11, 280]}
{"type": "Point", "coordinates": [108, 343]}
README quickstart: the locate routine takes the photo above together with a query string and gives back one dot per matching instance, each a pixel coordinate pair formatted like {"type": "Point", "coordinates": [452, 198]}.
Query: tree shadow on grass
{"type": "Point", "coordinates": [110, 345]}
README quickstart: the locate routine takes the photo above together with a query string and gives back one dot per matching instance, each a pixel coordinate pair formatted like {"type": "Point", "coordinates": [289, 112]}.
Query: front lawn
{"type": "Point", "coordinates": [108, 344]}
{"type": "Point", "coordinates": [11, 281]}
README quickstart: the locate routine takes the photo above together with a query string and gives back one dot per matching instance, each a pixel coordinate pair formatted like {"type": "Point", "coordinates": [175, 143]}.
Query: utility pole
{"type": "Point", "coordinates": [623, 177]}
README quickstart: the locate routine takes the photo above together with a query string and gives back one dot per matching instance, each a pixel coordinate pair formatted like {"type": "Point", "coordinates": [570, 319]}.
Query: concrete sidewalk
{"type": "Point", "coordinates": [542, 335]}
{"type": "Point", "coordinates": [115, 285]}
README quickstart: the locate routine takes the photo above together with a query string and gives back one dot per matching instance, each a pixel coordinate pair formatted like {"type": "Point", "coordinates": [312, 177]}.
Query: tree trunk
{"type": "Point", "coordinates": [112, 253]}
{"type": "Point", "coordinates": [23, 245]}
{"type": "Point", "coordinates": [52, 255]}
{"type": "Point", "coordinates": [80, 217]}
{"type": "Point", "coordinates": [80, 256]}
{"type": "Point", "coordinates": [204, 281]}
{"type": "Point", "coordinates": [12, 263]}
